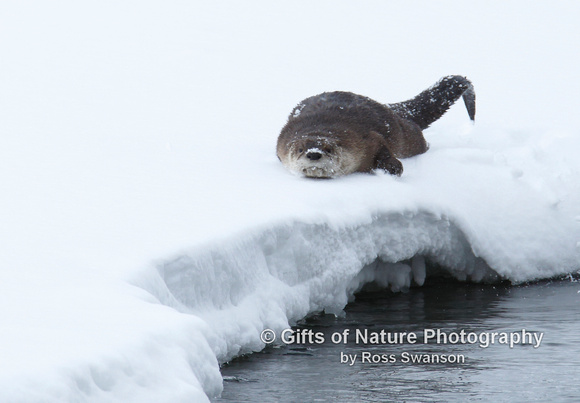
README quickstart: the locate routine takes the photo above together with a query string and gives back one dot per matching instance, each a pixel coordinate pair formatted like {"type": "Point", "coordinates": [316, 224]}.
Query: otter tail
{"type": "Point", "coordinates": [432, 103]}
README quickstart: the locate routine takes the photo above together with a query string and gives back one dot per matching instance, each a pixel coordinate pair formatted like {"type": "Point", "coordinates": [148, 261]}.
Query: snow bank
{"type": "Point", "coordinates": [516, 220]}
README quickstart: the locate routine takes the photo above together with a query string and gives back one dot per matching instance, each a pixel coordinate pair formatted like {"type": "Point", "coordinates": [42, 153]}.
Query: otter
{"type": "Point", "coordinates": [338, 133]}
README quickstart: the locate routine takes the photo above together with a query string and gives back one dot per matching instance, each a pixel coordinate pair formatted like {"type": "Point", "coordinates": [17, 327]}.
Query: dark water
{"type": "Point", "coordinates": [314, 372]}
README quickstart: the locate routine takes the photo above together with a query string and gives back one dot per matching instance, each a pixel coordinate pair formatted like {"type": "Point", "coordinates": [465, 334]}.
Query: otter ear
{"type": "Point", "coordinates": [386, 162]}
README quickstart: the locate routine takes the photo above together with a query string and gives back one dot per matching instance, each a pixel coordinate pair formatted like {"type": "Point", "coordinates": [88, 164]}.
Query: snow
{"type": "Point", "coordinates": [148, 231]}
{"type": "Point", "coordinates": [314, 150]}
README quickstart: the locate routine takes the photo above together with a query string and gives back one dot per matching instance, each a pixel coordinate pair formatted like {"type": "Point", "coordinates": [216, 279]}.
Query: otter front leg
{"type": "Point", "coordinates": [384, 160]}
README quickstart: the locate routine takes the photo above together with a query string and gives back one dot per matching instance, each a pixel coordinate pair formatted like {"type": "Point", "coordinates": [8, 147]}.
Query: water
{"type": "Point", "coordinates": [313, 372]}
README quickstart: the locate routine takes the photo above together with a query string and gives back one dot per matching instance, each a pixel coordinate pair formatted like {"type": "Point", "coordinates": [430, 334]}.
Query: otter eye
{"type": "Point", "coordinates": [300, 150]}
{"type": "Point", "coordinates": [327, 150]}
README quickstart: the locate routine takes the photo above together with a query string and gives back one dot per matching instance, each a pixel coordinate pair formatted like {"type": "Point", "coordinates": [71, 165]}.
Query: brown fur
{"type": "Point", "coordinates": [337, 133]}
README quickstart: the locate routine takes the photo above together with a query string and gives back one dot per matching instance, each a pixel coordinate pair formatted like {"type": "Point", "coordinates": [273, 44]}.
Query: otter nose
{"type": "Point", "coordinates": [313, 155]}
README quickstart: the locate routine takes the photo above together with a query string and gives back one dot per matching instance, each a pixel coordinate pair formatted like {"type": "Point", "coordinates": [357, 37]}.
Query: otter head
{"type": "Point", "coordinates": [317, 156]}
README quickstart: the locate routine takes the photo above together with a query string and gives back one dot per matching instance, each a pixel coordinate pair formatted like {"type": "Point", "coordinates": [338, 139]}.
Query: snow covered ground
{"type": "Point", "coordinates": [148, 231]}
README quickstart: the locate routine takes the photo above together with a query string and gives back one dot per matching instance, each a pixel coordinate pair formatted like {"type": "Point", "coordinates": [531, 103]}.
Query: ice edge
{"type": "Point", "coordinates": [274, 277]}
